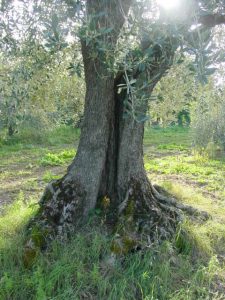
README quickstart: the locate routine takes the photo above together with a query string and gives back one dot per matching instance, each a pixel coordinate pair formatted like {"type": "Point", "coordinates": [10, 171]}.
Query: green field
{"type": "Point", "coordinates": [191, 266]}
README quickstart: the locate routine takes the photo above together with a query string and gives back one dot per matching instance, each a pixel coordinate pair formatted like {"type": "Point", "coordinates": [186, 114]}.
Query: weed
{"type": "Point", "coordinates": [48, 176]}
{"type": "Point", "coordinates": [171, 147]}
{"type": "Point", "coordinates": [52, 159]}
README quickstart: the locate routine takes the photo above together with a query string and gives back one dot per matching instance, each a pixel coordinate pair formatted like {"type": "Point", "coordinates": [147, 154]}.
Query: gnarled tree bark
{"type": "Point", "coordinates": [109, 161]}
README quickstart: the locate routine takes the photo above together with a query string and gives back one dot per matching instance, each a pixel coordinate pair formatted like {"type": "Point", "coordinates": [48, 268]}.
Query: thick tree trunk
{"type": "Point", "coordinates": [93, 171]}
{"type": "Point", "coordinates": [109, 161]}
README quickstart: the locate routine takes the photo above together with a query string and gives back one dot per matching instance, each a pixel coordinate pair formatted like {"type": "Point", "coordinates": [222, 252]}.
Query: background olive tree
{"type": "Point", "coordinates": [173, 97]}
{"type": "Point", "coordinates": [41, 85]}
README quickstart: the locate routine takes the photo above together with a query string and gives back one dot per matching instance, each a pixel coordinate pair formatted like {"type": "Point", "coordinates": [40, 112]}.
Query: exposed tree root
{"type": "Point", "coordinates": [147, 215]}
{"type": "Point", "coordinates": [61, 209]}
{"type": "Point", "coordinates": [165, 198]}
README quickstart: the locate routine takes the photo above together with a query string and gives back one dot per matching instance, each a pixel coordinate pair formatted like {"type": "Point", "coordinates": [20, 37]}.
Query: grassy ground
{"type": "Point", "coordinates": [28, 167]}
{"type": "Point", "coordinates": [191, 266]}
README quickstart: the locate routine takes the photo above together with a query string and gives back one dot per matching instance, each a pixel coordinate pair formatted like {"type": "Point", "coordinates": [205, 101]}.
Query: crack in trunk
{"type": "Point", "coordinates": [109, 160]}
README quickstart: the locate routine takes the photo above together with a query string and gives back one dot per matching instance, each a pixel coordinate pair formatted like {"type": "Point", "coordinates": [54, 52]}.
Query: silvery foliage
{"type": "Point", "coordinates": [208, 120]}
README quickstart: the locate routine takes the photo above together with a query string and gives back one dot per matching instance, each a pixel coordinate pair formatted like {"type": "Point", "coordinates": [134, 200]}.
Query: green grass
{"type": "Point", "coordinates": [176, 136]}
{"type": "Point", "coordinates": [171, 147]}
{"type": "Point", "coordinates": [196, 168]}
{"type": "Point", "coordinates": [57, 159]}
{"type": "Point", "coordinates": [190, 267]}
{"type": "Point", "coordinates": [186, 268]}
{"type": "Point", "coordinates": [48, 176]}
{"type": "Point", "coordinates": [24, 166]}
{"type": "Point", "coordinates": [59, 136]}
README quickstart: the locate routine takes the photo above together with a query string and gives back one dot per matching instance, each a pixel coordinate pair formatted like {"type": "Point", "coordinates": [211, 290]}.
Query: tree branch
{"type": "Point", "coordinates": [212, 20]}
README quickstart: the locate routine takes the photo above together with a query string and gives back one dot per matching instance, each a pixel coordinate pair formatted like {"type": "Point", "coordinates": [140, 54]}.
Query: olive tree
{"type": "Point", "coordinates": [208, 119]}
{"type": "Point", "coordinates": [173, 96]}
{"type": "Point", "coordinates": [127, 46]}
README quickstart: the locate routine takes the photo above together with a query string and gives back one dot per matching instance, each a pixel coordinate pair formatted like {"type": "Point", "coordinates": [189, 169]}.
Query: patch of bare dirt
{"type": "Point", "coordinates": [31, 183]}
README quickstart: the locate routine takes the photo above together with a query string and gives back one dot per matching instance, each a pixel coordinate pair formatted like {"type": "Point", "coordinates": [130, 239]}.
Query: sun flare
{"type": "Point", "coordinates": [169, 4]}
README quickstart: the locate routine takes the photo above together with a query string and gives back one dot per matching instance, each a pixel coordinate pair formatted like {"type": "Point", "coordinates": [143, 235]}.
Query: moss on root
{"type": "Point", "coordinates": [37, 241]}
{"type": "Point", "coordinates": [145, 217]}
